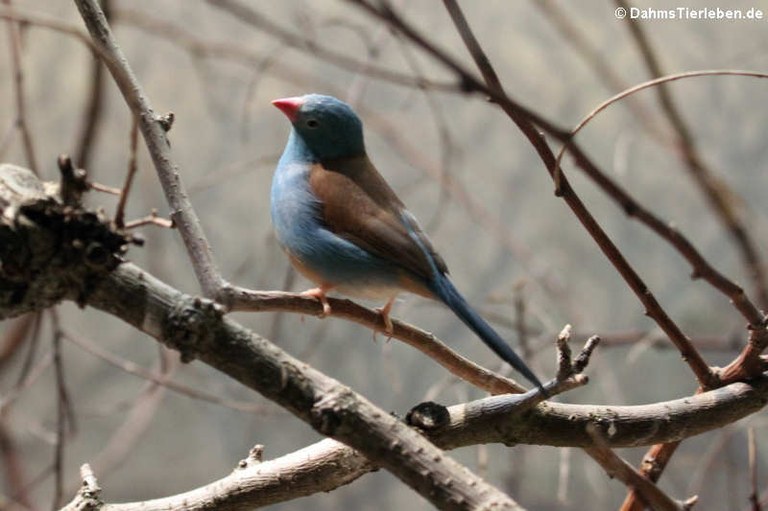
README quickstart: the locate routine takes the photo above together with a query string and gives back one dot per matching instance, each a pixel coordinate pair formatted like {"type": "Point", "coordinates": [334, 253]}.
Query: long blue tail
{"type": "Point", "coordinates": [445, 290]}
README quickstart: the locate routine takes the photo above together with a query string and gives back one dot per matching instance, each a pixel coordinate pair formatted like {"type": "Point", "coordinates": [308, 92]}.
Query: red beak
{"type": "Point", "coordinates": [289, 106]}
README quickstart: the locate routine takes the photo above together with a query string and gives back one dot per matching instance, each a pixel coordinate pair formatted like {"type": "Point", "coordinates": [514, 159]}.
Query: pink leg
{"type": "Point", "coordinates": [384, 312]}
{"type": "Point", "coordinates": [319, 293]}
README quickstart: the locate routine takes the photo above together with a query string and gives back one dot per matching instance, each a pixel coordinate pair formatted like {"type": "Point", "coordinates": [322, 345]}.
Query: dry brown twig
{"type": "Point", "coordinates": [93, 113]}
{"type": "Point", "coordinates": [701, 268]}
{"type": "Point", "coordinates": [615, 466]}
{"type": "Point", "coordinates": [129, 175]}
{"type": "Point", "coordinates": [104, 188]}
{"type": "Point", "coordinates": [64, 414]}
{"type": "Point", "coordinates": [154, 376]}
{"type": "Point", "coordinates": [521, 117]}
{"type": "Point", "coordinates": [494, 89]}
{"type": "Point", "coordinates": [22, 119]}
{"type": "Point", "coordinates": [716, 191]}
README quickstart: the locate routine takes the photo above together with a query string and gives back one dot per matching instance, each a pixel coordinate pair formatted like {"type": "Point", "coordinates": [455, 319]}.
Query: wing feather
{"type": "Point", "coordinates": [358, 205]}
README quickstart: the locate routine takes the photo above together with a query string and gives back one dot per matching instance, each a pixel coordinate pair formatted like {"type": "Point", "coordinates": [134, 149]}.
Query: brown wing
{"type": "Point", "coordinates": [358, 205]}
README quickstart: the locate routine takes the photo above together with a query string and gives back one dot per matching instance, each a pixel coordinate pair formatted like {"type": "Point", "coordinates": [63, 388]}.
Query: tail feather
{"type": "Point", "coordinates": [448, 294]}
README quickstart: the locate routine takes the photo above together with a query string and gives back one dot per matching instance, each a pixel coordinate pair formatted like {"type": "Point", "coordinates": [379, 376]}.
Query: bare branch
{"type": "Point", "coordinates": [22, 120]}
{"type": "Point", "coordinates": [715, 190]}
{"type": "Point", "coordinates": [153, 376]}
{"type": "Point", "coordinates": [619, 468]}
{"type": "Point", "coordinates": [197, 329]}
{"type": "Point", "coordinates": [155, 136]}
{"type": "Point", "coordinates": [521, 117]}
{"type": "Point", "coordinates": [151, 219]}
{"type": "Point", "coordinates": [701, 268]}
{"type": "Point", "coordinates": [93, 114]}
{"type": "Point", "coordinates": [240, 299]}
{"type": "Point", "coordinates": [245, 14]}
{"type": "Point", "coordinates": [130, 173]}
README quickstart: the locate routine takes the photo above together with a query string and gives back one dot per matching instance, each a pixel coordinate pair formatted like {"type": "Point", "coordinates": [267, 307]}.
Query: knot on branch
{"type": "Point", "coordinates": [255, 456]}
{"type": "Point", "coordinates": [189, 327]}
{"type": "Point", "coordinates": [74, 182]}
{"type": "Point", "coordinates": [329, 409]}
{"type": "Point", "coordinates": [50, 249]}
{"type": "Point", "coordinates": [428, 416]}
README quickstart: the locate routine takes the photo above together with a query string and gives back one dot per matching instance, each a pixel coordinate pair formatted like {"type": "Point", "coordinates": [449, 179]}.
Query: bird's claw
{"type": "Point", "coordinates": [319, 294]}
{"type": "Point", "coordinates": [389, 328]}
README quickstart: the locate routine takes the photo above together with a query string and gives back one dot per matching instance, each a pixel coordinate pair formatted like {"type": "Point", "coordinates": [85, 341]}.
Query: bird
{"type": "Point", "coordinates": [345, 229]}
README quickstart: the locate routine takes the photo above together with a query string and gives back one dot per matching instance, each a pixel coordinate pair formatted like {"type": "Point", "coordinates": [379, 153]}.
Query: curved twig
{"type": "Point", "coordinates": [522, 118]}
{"type": "Point", "coordinates": [240, 299]}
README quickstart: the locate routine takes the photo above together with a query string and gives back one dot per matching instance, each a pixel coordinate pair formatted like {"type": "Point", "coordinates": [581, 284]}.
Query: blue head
{"type": "Point", "coordinates": [328, 127]}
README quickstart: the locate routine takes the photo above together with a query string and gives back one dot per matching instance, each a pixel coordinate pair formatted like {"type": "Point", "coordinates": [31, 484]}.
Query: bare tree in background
{"type": "Point", "coordinates": [92, 415]}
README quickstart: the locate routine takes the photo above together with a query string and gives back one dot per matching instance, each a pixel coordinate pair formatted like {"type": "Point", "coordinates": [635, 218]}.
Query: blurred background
{"type": "Point", "coordinates": [478, 188]}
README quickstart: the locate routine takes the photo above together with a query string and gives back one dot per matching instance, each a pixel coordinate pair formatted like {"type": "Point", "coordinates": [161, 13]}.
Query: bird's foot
{"type": "Point", "coordinates": [389, 328]}
{"type": "Point", "coordinates": [319, 293]}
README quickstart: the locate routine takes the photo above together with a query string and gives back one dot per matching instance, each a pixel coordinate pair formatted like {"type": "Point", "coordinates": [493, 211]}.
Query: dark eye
{"type": "Point", "coordinates": [312, 123]}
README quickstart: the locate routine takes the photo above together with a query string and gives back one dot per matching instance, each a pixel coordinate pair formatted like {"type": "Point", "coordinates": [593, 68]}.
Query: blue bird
{"type": "Point", "coordinates": [344, 228]}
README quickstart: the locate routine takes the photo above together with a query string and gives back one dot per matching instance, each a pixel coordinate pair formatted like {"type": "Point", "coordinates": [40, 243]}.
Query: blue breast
{"type": "Point", "coordinates": [300, 230]}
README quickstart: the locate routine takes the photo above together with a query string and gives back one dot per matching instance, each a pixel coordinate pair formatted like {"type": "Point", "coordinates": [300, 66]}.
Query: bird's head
{"type": "Point", "coordinates": [328, 127]}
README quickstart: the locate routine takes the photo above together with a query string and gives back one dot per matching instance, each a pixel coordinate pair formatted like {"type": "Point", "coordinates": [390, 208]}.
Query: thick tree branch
{"type": "Point", "coordinates": [73, 256]}
{"type": "Point", "coordinates": [329, 464]}
{"type": "Point", "coordinates": [197, 329]}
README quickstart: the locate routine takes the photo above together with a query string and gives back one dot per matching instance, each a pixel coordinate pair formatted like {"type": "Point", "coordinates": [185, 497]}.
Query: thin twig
{"type": "Point", "coordinates": [93, 113]}
{"type": "Point", "coordinates": [754, 497]}
{"type": "Point", "coordinates": [580, 41]}
{"type": "Point", "coordinates": [131, 367]}
{"type": "Point", "coordinates": [155, 137]}
{"type": "Point", "coordinates": [655, 83]}
{"type": "Point", "coordinates": [522, 117]}
{"type": "Point", "coordinates": [104, 188]}
{"type": "Point", "coordinates": [615, 466]}
{"type": "Point", "coordinates": [252, 17]}
{"type": "Point", "coordinates": [715, 190]}
{"type": "Point", "coordinates": [653, 465]}
{"type": "Point", "coordinates": [131, 172]}
{"type": "Point", "coordinates": [22, 120]}
{"type": "Point", "coordinates": [151, 219]}
{"type": "Point", "coordinates": [63, 414]}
